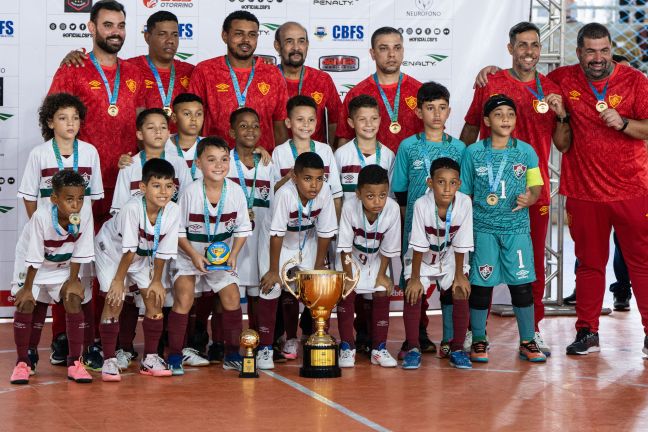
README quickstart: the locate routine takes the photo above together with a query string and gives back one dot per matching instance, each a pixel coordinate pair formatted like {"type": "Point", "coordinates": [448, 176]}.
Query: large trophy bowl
{"type": "Point", "coordinates": [320, 291]}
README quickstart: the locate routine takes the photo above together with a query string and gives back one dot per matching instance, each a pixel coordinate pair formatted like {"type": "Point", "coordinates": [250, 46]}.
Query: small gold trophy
{"type": "Point", "coordinates": [320, 291]}
{"type": "Point", "coordinates": [249, 340]}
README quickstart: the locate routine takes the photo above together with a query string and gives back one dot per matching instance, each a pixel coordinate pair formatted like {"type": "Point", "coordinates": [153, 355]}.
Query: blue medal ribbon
{"type": "Point", "coordinates": [445, 139]}
{"type": "Point", "coordinates": [143, 157]}
{"type": "Point", "coordinates": [176, 140]}
{"type": "Point", "coordinates": [219, 211]}
{"type": "Point", "coordinates": [249, 197]}
{"type": "Point", "coordinates": [301, 77]}
{"type": "Point", "coordinates": [393, 113]}
{"type": "Point", "coordinates": [166, 97]}
{"type": "Point", "coordinates": [71, 229]}
{"type": "Point", "coordinates": [151, 253]}
{"type": "Point", "coordinates": [300, 212]}
{"type": "Point", "coordinates": [538, 94]}
{"type": "Point", "coordinates": [240, 97]}
{"type": "Point", "coordinates": [448, 221]}
{"type": "Point", "coordinates": [364, 224]}
{"type": "Point", "coordinates": [494, 182]}
{"type": "Point", "coordinates": [363, 162]}
{"type": "Point", "coordinates": [114, 94]}
{"type": "Point", "coordinates": [293, 148]}
{"type": "Point", "coordinates": [600, 96]}
{"type": "Point", "coordinates": [75, 155]}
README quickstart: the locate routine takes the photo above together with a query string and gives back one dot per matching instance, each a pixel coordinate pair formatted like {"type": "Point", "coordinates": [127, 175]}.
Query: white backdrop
{"type": "Point", "coordinates": [445, 40]}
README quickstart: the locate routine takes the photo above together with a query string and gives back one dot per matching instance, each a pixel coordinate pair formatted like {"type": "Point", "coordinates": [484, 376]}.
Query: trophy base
{"type": "Point", "coordinates": [249, 369]}
{"type": "Point", "coordinates": [320, 361]}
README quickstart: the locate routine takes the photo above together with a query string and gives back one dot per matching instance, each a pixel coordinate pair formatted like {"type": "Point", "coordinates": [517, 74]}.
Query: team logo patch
{"type": "Point", "coordinates": [230, 225]}
{"type": "Point", "coordinates": [411, 102]}
{"type": "Point", "coordinates": [265, 192]}
{"type": "Point", "coordinates": [535, 105]}
{"type": "Point", "coordinates": [481, 171]}
{"type": "Point", "coordinates": [148, 84]}
{"type": "Point", "coordinates": [522, 274]}
{"type": "Point", "coordinates": [184, 82]}
{"type": "Point", "coordinates": [317, 97]}
{"type": "Point", "coordinates": [574, 95]}
{"type": "Point", "coordinates": [519, 170]}
{"type": "Point", "coordinates": [485, 271]}
{"type": "Point", "coordinates": [615, 100]}
{"type": "Point", "coordinates": [417, 164]}
{"type": "Point", "coordinates": [195, 228]}
{"type": "Point", "coordinates": [132, 85]}
{"type": "Point", "coordinates": [222, 87]}
{"type": "Point", "coordinates": [544, 210]}
{"type": "Point", "coordinates": [263, 87]}
{"type": "Point", "coordinates": [94, 85]}
{"type": "Point", "coordinates": [348, 178]}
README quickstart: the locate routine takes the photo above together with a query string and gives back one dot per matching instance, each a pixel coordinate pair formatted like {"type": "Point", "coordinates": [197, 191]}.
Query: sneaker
{"type": "Point", "coordinates": [32, 353]}
{"type": "Point", "coordinates": [78, 374]}
{"type": "Point", "coordinates": [233, 361]}
{"type": "Point", "coordinates": [427, 346]}
{"type": "Point", "coordinates": [347, 355]}
{"type": "Point", "coordinates": [403, 351]}
{"type": "Point", "coordinates": [93, 358]}
{"type": "Point", "coordinates": [216, 352]}
{"type": "Point", "coordinates": [412, 359]}
{"type": "Point", "coordinates": [290, 349]}
{"type": "Point", "coordinates": [444, 350]}
{"type": "Point", "coordinates": [153, 365]}
{"type": "Point", "coordinates": [542, 344]}
{"type": "Point", "coordinates": [264, 358]}
{"type": "Point", "coordinates": [110, 370]}
{"type": "Point", "coordinates": [622, 296]}
{"type": "Point", "coordinates": [479, 352]}
{"type": "Point", "coordinates": [571, 299]}
{"type": "Point", "coordinates": [363, 344]}
{"type": "Point", "coordinates": [467, 345]}
{"type": "Point", "coordinates": [20, 374]}
{"type": "Point", "coordinates": [191, 357]}
{"type": "Point", "coordinates": [381, 356]}
{"type": "Point", "coordinates": [123, 358]}
{"type": "Point", "coordinates": [59, 350]}
{"type": "Point", "coordinates": [277, 355]}
{"type": "Point", "coordinates": [585, 343]}
{"type": "Point", "coordinates": [460, 360]}
{"type": "Point", "coordinates": [531, 352]}
{"type": "Point", "coordinates": [175, 364]}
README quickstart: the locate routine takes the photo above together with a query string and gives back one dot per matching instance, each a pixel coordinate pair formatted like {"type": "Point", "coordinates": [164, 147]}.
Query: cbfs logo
{"type": "Point", "coordinates": [6, 28]}
{"type": "Point", "coordinates": [185, 31]}
{"type": "Point", "coordinates": [348, 33]}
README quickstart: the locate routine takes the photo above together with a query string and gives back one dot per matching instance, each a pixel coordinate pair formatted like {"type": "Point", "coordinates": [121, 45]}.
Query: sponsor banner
{"type": "Point", "coordinates": [428, 65]}
{"type": "Point", "coordinates": [181, 8]}
{"type": "Point", "coordinates": [68, 29]}
{"type": "Point", "coordinates": [187, 32]}
{"type": "Point", "coordinates": [9, 126]}
{"type": "Point", "coordinates": [343, 64]}
{"type": "Point", "coordinates": [426, 34]}
{"type": "Point", "coordinates": [261, 8]}
{"type": "Point", "coordinates": [8, 29]}
{"type": "Point", "coordinates": [8, 184]}
{"type": "Point", "coordinates": [343, 10]}
{"type": "Point", "coordinates": [339, 34]}
{"type": "Point", "coordinates": [422, 9]}
{"type": "Point", "coordinates": [9, 217]}
{"type": "Point", "coordinates": [77, 6]}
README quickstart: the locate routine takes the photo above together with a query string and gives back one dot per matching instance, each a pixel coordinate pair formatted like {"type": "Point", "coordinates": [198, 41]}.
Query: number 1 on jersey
{"type": "Point", "coordinates": [503, 195]}
{"type": "Point", "coordinates": [519, 252]}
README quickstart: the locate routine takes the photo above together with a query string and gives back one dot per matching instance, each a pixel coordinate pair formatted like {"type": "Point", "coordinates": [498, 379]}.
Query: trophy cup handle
{"type": "Point", "coordinates": [285, 280]}
{"type": "Point", "coordinates": [356, 276]}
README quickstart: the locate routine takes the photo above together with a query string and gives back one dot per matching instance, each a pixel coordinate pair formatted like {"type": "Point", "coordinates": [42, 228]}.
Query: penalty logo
{"type": "Point", "coordinates": [485, 271]}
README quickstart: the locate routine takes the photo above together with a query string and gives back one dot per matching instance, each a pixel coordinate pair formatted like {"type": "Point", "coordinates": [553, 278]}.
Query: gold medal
{"type": "Point", "coordinates": [601, 106]}
{"type": "Point", "coordinates": [75, 218]}
{"type": "Point", "coordinates": [113, 110]}
{"type": "Point", "coordinates": [394, 127]}
{"type": "Point", "coordinates": [251, 214]}
{"type": "Point", "coordinates": [167, 111]}
{"type": "Point", "coordinates": [542, 107]}
{"type": "Point", "coordinates": [492, 199]}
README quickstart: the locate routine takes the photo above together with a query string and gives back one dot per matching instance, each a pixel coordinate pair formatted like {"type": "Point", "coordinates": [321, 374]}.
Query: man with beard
{"type": "Point", "coordinates": [395, 91]}
{"type": "Point", "coordinates": [237, 79]}
{"type": "Point", "coordinates": [291, 42]}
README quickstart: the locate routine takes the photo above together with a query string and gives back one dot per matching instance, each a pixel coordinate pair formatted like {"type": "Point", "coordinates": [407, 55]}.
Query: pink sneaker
{"type": "Point", "coordinates": [20, 374]}
{"type": "Point", "coordinates": [77, 373]}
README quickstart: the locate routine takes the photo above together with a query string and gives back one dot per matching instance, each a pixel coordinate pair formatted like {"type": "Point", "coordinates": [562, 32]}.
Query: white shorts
{"type": "Point", "coordinates": [213, 281]}
{"type": "Point", "coordinates": [51, 293]}
{"type": "Point", "coordinates": [442, 274]}
{"type": "Point", "coordinates": [278, 288]}
{"type": "Point", "coordinates": [249, 290]}
{"type": "Point", "coordinates": [368, 274]}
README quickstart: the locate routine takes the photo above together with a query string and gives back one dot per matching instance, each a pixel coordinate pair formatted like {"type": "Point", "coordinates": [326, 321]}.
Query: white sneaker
{"type": "Point", "coordinates": [110, 370]}
{"type": "Point", "coordinates": [153, 365]}
{"type": "Point", "coordinates": [290, 349]}
{"type": "Point", "coordinates": [347, 356]}
{"type": "Point", "coordinates": [382, 357]}
{"type": "Point", "coordinates": [467, 341]}
{"type": "Point", "coordinates": [264, 358]}
{"type": "Point", "coordinates": [191, 357]}
{"type": "Point", "coordinates": [123, 358]}
{"type": "Point", "coordinates": [542, 345]}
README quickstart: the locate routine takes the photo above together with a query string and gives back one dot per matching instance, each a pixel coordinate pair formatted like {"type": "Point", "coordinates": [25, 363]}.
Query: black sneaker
{"type": "Point", "coordinates": [427, 346]}
{"type": "Point", "coordinates": [216, 352]}
{"type": "Point", "coordinates": [622, 296]}
{"type": "Point", "coordinates": [32, 353]}
{"type": "Point", "coordinates": [93, 358]}
{"type": "Point", "coordinates": [277, 355]}
{"type": "Point", "coordinates": [585, 343]}
{"type": "Point", "coordinates": [570, 300]}
{"type": "Point", "coordinates": [363, 345]}
{"type": "Point", "coordinates": [198, 339]}
{"type": "Point", "coordinates": [60, 350]}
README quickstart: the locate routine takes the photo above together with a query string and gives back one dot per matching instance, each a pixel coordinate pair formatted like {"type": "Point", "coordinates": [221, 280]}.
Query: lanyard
{"type": "Point", "coordinates": [375, 236]}
{"type": "Point", "coordinates": [301, 77]}
{"type": "Point", "coordinates": [219, 211]}
{"type": "Point", "coordinates": [75, 155]}
{"type": "Point", "coordinates": [239, 168]}
{"type": "Point", "coordinates": [143, 157]}
{"type": "Point", "coordinates": [300, 212]}
{"type": "Point", "coordinates": [445, 139]}
{"type": "Point", "coordinates": [151, 253]}
{"type": "Point", "coordinates": [363, 162]}
{"type": "Point", "coordinates": [240, 97]}
{"type": "Point", "coordinates": [393, 113]}
{"type": "Point", "coordinates": [448, 221]}
{"type": "Point", "coordinates": [538, 94]}
{"type": "Point", "coordinates": [72, 229]}
{"type": "Point", "coordinates": [166, 97]}
{"type": "Point", "coordinates": [599, 96]}
{"type": "Point", "coordinates": [176, 139]}
{"type": "Point", "coordinates": [492, 183]}
{"type": "Point", "coordinates": [112, 95]}
{"type": "Point", "coordinates": [294, 149]}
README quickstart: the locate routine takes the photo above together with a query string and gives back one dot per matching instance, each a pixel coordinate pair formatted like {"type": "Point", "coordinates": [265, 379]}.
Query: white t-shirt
{"type": "Point", "coordinates": [187, 155]}
{"type": "Point", "coordinates": [349, 165]}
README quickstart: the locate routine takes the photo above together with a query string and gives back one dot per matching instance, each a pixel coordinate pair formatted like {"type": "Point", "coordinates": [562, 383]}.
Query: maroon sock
{"type": "Point", "coordinates": [367, 305]}
{"type": "Point", "coordinates": [290, 309]}
{"type": "Point", "coordinates": [152, 329]}
{"type": "Point", "coordinates": [22, 329]}
{"type": "Point", "coordinates": [74, 328]}
{"type": "Point", "coordinates": [128, 325]}
{"type": "Point", "coordinates": [38, 321]}
{"type": "Point", "coordinates": [360, 321]}
{"type": "Point", "coordinates": [88, 324]}
{"type": "Point", "coordinates": [380, 320]}
{"type": "Point", "coordinates": [109, 332]}
{"type": "Point", "coordinates": [98, 300]}
{"type": "Point", "coordinates": [177, 328]}
{"type": "Point", "coordinates": [424, 320]}
{"type": "Point", "coordinates": [267, 318]}
{"type": "Point", "coordinates": [217, 327]}
{"type": "Point", "coordinates": [191, 324]}
{"type": "Point", "coordinates": [58, 319]}
{"type": "Point", "coordinates": [412, 318]}
{"type": "Point", "coordinates": [203, 307]}
{"type": "Point", "coordinates": [232, 328]}
{"type": "Point", "coordinates": [460, 318]}
{"type": "Point", "coordinates": [252, 303]}
{"type": "Point", "coordinates": [345, 312]}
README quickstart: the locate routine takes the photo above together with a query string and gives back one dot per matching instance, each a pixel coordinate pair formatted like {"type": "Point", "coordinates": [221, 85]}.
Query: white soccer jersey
{"type": "Point", "coordinates": [41, 247]}
{"type": "Point", "coordinates": [36, 183]}
{"type": "Point", "coordinates": [284, 161]}
{"type": "Point", "coordinates": [131, 231]}
{"type": "Point", "coordinates": [129, 178]}
{"type": "Point", "coordinates": [187, 155]}
{"type": "Point", "coordinates": [263, 193]}
{"type": "Point", "coordinates": [364, 240]}
{"type": "Point", "coordinates": [349, 165]}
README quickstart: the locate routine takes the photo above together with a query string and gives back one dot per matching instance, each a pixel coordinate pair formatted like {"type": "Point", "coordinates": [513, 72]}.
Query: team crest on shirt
{"type": "Point", "coordinates": [222, 87]}
{"type": "Point", "coordinates": [264, 191]}
{"type": "Point", "coordinates": [148, 83]}
{"type": "Point", "coordinates": [348, 178]}
{"type": "Point", "coordinates": [230, 225]}
{"type": "Point", "coordinates": [411, 102]}
{"type": "Point", "coordinates": [519, 170]}
{"type": "Point", "coordinates": [184, 82]}
{"type": "Point", "coordinates": [615, 100]}
{"type": "Point", "coordinates": [194, 228]}
{"type": "Point", "coordinates": [263, 87]}
{"type": "Point", "coordinates": [574, 95]}
{"type": "Point", "coordinates": [132, 85]}
{"type": "Point", "coordinates": [94, 85]}
{"type": "Point", "coordinates": [317, 97]}
{"type": "Point", "coordinates": [485, 271]}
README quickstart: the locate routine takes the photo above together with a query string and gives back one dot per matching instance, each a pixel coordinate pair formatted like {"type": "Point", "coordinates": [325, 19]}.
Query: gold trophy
{"type": "Point", "coordinates": [249, 340]}
{"type": "Point", "coordinates": [320, 291]}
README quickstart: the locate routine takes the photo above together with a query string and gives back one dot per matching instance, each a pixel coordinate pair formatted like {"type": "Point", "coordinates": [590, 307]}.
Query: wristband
{"type": "Point", "coordinates": [563, 120]}
{"type": "Point", "coordinates": [625, 124]}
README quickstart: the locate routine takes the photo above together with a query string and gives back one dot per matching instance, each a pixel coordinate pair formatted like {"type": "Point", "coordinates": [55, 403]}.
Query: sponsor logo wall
{"type": "Point", "coordinates": [445, 40]}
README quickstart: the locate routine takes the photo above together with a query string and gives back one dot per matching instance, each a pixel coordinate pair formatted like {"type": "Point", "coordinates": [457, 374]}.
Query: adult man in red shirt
{"type": "Point", "coordinates": [238, 79]}
{"type": "Point", "coordinates": [539, 104]}
{"type": "Point", "coordinates": [398, 119]}
{"type": "Point", "coordinates": [291, 42]}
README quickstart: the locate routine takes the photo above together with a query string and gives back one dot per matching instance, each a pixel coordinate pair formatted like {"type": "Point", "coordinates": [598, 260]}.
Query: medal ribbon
{"type": "Point", "coordinates": [363, 162]}
{"type": "Point", "coordinates": [393, 113]}
{"type": "Point", "coordinates": [176, 140]}
{"type": "Point", "coordinates": [364, 223]}
{"type": "Point", "coordinates": [293, 148]}
{"type": "Point", "coordinates": [75, 155]}
{"type": "Point", "coordinates": [150, 253]}
{"type": "Point", "coordinates": [599, 96]}
{"type": "Point", "coordinates": [423, 143]}
{"type": "Point", "coordinates": [301, 77]}
{"type": "Point", "coordinates": [239, 169]}
{"type": "Point", "coordinates": [112, 95]}
{"type": "Point", "coordinates": [493, 183]}
{"type": "Point", "coordinates": [166, 97]}
{"type": "Point", "coordinates": [538, 94]}
{"type": "Point", "coordinates": [448, 221]}
{"type": "Point", "coordinates": [55, 223]}
{"type": "Point", "coordinates": [219, 211]}
{"type": "Point", "coordinates": [300, 212]}
{"type": "Point", "coordinates": [240, 97]}
{"type": "Point", "coordinates": [143, 157]}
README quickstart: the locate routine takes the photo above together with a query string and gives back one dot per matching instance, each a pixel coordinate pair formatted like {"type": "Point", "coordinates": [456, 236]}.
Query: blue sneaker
{"type": "Point", "coordinates": [175, 364]}
{"type": "Point", "coordinates": [412, 359]}
{"type": "Point", "coordinates": [233, 361]}
{"type": "Point", "coordinates": [460, 360]}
